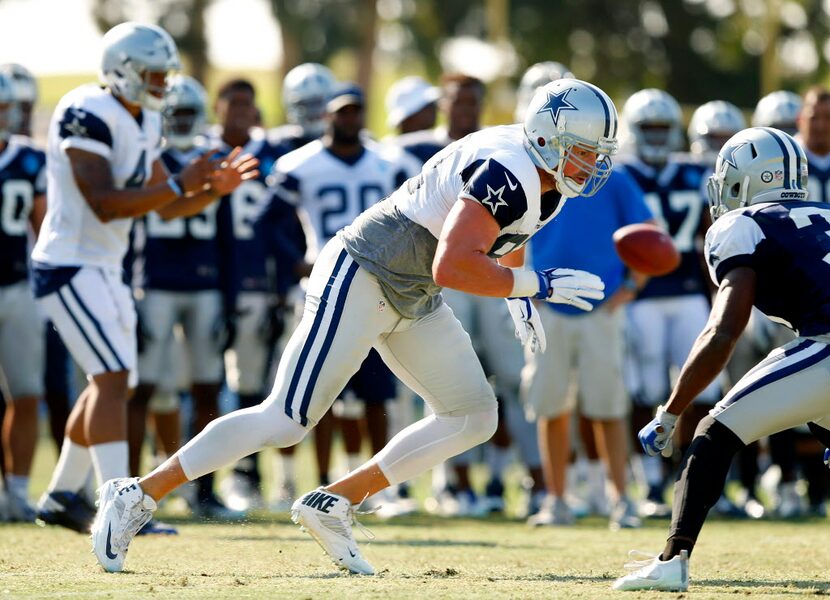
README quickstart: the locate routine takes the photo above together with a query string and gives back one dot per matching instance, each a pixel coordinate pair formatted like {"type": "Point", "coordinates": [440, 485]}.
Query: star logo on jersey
{"type": "Point", "coordinates": [494, 199]}
{"type": "Point", "coordinates": [75, 128]}
{"type": "Point", "coordinates": [557, 103]}
{"type": "Point", "coordinates": [729, 154]}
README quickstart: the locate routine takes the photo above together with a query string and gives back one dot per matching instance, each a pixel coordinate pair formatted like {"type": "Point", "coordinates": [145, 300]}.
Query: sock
{"type": "Point", "coordinates": [72, 470]}
{"type": "Point", "coordinates": [110, 460]}
{"type": "Point", "coordinates": [17, 487]}
{"type": "Point", "coordinates": [287, 463]}
{"type": "Point", "coordinates": [353, 461]}
{"type": "Point", "coordinates": [498, 460]}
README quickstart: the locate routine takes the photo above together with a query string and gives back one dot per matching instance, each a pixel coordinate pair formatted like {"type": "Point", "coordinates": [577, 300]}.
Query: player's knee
{"type": "Point", "coordinates": [719, 436]}
{"type": "Point", "coordinates": [284, 431]}
{"type": "Point", "coordinates": [481, 426]}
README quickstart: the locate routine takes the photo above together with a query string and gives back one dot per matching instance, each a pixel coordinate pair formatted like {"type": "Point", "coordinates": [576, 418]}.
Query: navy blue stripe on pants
{"type": "Point", "coordinates": [97, 326]}
{"type": "Point", "coordinates": [72, 316]}
{"type": "Point", "coordinates": [312, 335]}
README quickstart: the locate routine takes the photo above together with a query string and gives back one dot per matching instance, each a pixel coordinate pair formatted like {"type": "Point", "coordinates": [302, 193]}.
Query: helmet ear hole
{"type": "Point", "coordinates": [735, 190]}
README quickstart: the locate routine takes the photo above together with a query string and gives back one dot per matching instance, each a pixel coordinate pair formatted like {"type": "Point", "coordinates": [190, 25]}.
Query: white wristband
{"type": "Point", "coordinates": [525, 284]}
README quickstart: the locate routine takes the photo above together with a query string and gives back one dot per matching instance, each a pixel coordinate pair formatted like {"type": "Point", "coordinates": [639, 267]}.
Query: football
{"type": "Point", "coordinates": [647, 249]}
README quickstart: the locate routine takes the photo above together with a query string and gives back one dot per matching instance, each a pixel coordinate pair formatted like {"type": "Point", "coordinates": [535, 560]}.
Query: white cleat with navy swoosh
{"type": "Point", "coordinates": [328, 518]}
{"type": "Point", "coordinates": [123, 509]}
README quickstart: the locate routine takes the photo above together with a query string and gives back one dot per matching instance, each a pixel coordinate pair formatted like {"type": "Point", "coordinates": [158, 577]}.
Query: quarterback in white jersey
{"type": "Point", "coordinates": [377, 285]}
{"type": "Point", "coordinates": [103, 169]}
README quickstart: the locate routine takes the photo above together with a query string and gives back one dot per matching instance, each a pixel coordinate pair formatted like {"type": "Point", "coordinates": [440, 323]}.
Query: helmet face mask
{"type": "Point", "coordinates": [759, 164]}
{"type": "Point", "coordinates": [305, 91]}
{"type": "Point", "coordinates": [570, 132]}
{"type": "Point", "coordinates": [10, 115]}
{"type": "Point", "coordinates": [136, 62]}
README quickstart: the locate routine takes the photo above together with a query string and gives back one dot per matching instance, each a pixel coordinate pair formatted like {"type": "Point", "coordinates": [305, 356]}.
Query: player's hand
{"type": "Point", "coordinates": [570, 286]}
{"type": "Point", "coordinates": [656, 437]}
{"type": "Point", "coordinates": [227, 174]}
{"type": "Point", "coordinates": [195, 177]}
{"type": "Point", "coordinates": [527, 322]}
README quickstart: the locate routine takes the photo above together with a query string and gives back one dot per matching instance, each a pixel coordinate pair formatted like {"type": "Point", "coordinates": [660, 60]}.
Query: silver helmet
{"type": "Point", "coordinates": [9, 108]}
{"type": "Point", "coordinates": [778, 109]}
{"type": "Point", "coordinates": [760, 164]}
{"type": "Point", "coordinates": [184, 111]}
{"type": "Point", "coordinates": [711, 125]}
{"type": "Point", "coordinates": [653, 125]}
{"type": "Point", "coordinates": [305, 91]}
{"type": "Point", "coordinates": [25, 84]}
{"type": "Point", "coordinates": [568, 115]}
{"type": "Point", "coordinates": [535, 77]}
{"type": "Point", "coordinates": [132, 51]}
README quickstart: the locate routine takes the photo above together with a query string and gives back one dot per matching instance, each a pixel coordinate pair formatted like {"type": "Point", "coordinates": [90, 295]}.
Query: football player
{"type": "Point", "coordinates": [765, 239]}
{"type": "Point", "coordinates": [247, 358]}
{"type": "Point", "coordinates": [670, 310]}
{"type": "Point", "coordinates": [778, 109]}
{"type": "Point", "coordinates": [461, 223]}
{"type": "Point", "coordinates": [22, 199]}
{"type": "Point", "coordinates": [103, 170]}
{"type": "Point", "coordinates": [411, 105]}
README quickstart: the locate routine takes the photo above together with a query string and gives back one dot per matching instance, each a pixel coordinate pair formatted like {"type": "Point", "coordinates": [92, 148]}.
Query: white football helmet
{"type": "Point", "coordinates": [184, 111]}
{"type": "Point", "coordinates": [760, 164]}
{"type": "Point", "coordinates": [9, 109]}
{"type": "Point", "coordinates": [535, 77]}
{"type": "Point", "coordinates": [711, 125]}
{"type": "Point", "coordinates": [567, 115]}
{"type": "Point", "coordinates": [305, 91]}
{"type": "Point", "coordinates": [653, 125]}
{"type": "Point", "coordinates": [778, 109]}
{"type": "Point", "coordinates": [131, 52]}
{"type": "Point", "coordinates": [25, 84]}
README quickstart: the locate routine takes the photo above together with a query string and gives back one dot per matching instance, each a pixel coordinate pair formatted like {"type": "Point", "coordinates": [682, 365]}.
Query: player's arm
{"type": "Point", "coordinates": [461, 261]}
{"type": "Point", "coordinates": [515, 259]}
{"type": "Point", "coordinates": [713, 347]}
{"type": "Point", "coordinates": [223, 179]}
{"type": "Point", "coordinates": [38, 213]}
{"type": "Point", "coordinates": [93, 175]}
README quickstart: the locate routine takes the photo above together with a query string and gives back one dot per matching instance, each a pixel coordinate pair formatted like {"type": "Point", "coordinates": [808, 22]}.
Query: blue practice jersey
{"type": "Point", "coordinates": [424, 144]}
{"type": "Point", "coordinates": [246, 201]}
{"type": "Point", "coordinates": [22, 177]}
{"type": "Point", "coordinates": [675, 197]}
{"type": "Point", "coordinates": [788, 246]}
{"type": "Point", "coordinates": [188, 253]}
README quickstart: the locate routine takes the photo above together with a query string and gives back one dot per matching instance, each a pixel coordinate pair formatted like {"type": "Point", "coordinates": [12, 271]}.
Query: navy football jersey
{"type": "Point", "coordinates": [186, 253]}
{"type": "Point", "coordinates": [788, 246]}
{"type": "Point", "coordinates": [246, 203]}
{"type": "Point", "coordinates": [818, 179]}
{"type": "Point", "coordinates": [22, 177]}
{"type": "Point", "coordinates": [675, 197]}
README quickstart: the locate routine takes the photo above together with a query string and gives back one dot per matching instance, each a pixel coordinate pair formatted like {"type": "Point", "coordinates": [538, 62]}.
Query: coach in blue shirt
{"type": "Point", "coordinates": [587, 346]}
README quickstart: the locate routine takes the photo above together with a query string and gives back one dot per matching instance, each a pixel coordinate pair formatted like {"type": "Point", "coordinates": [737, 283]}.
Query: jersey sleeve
{"type": "Point", "coordinates": [493, 186]}
{"type": "Point", "coordinates": [731, 242]}
{"type": "Point", "coordinates": [79, 128]}
{"type": "Point", "coordinates": [284, 185]}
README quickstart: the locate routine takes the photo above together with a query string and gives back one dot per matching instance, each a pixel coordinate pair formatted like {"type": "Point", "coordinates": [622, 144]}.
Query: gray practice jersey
{"type": "Point", "coordinates": [396, 239]}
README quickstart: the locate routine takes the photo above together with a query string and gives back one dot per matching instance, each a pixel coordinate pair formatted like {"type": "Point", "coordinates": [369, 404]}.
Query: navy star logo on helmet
{"type": "Point", "coordinates": [729, 154]}
{"type": "Point", "coordinates": [557, 103]}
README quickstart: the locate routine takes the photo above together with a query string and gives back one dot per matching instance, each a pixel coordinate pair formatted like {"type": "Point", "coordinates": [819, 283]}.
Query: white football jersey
{"type": "Point", "coordinates": [330, 192]}
{"type": "Point", "coordinates": [91, 119]}
{"type": "Point", "coordinates": [491, 167]}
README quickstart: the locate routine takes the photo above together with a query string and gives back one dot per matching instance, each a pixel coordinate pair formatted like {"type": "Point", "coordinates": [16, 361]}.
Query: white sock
{"type": "Point", "coordinates": [288, 473]}
{"type": "Point", "coordinates": [110, 460]}
{"type": "Point", "coordinates": [353, 461]}
{"type": "Point", "coordinates": [498, 460]}
{"type": "Point", "coordinates": [17, 486]}
{"type": "Point", "coordinates": [74, 464]}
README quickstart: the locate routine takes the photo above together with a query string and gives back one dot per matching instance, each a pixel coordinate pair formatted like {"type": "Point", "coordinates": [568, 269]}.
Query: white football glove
{"type": "Point", "coordinates": [570, 286]}
{"type": "Point", "coordinates": [527, 322]}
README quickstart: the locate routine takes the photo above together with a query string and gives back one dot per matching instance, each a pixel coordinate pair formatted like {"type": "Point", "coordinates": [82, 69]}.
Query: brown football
{"type": "Point", "coordinates": [647, 249]}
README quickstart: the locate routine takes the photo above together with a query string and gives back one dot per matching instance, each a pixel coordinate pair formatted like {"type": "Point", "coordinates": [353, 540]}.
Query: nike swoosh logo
{"type": "Point", "coordinates": [108, 549]}
{"type": "Point", "coordinates": [510, 184]}
{"type": "Point", "coordinates": [352, 553]}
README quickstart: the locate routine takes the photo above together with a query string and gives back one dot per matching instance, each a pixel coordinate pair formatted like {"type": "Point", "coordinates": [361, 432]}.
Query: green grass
{"type": "Point", "coordinates": [416, 557]}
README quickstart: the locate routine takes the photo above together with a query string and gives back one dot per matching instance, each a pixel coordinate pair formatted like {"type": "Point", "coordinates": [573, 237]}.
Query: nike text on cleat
{"type": "Point", "coordinates": [328, 518]}
{"type": "Point", "coordinates": [654, 574]}
{"type": "Point", "coordinates": [123, 510]}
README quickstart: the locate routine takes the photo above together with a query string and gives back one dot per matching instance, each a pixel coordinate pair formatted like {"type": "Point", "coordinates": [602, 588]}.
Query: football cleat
{"type": "Point", "coordinates": [20, 511]}
{"type": "Point", "coordinates": [66, 509]}
{"type": "Point", "coordinates": [156, 527]}
{"type": "Point", "coordinates": [624, 515]}
{"type": "Point", "coordinates": [123, 510]}
{"type": "Point", "coordinates": [554, 511]}
{"type": "Point", "coordinates": [652, 573]}
{"type": "Point", "coordinates": [328, 518]}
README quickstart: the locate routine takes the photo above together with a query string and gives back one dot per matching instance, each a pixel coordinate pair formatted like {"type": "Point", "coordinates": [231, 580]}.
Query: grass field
{"type": "Point", "coordinates": [416, 557]}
